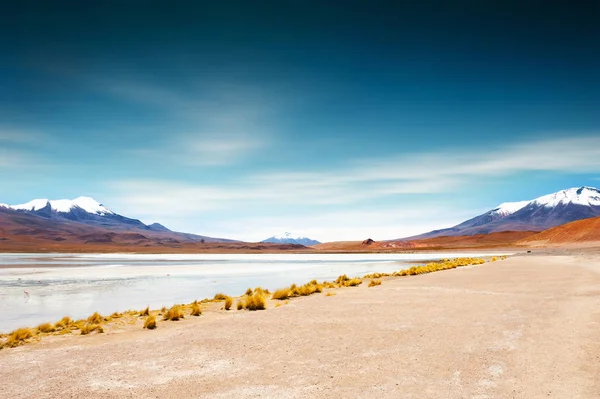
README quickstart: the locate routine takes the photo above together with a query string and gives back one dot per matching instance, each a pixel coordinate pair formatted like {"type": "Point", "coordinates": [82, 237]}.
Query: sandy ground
{"type": "Point", "coordinates": [527, 327]}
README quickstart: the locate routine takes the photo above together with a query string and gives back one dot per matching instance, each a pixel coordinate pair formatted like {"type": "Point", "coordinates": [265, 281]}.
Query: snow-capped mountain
{"type": "Point", "coordinates": [88, 211]}
{"type": "Point", "coordinates": [86, 204]}
{"type": "Point", "coordinates": [288, 238]}
{"type": "Point", "coordinates": [535, 215]}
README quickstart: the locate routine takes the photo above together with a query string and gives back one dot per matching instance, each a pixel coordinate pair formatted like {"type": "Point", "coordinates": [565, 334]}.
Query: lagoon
{"type": "Point", "coordinates": [79, 284]}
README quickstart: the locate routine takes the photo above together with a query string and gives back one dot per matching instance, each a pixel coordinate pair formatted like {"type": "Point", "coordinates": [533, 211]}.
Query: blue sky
{"type": "Point", "coordinates": [340, 122]}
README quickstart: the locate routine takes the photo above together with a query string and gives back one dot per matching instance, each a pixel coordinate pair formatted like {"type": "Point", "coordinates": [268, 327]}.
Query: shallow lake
{"type": "Point", "coordinates": [79, 284]}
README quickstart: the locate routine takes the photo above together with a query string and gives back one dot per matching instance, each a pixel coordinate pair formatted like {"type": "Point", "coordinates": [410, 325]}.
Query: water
{"type": "Point", "coordinates": [79, 284]}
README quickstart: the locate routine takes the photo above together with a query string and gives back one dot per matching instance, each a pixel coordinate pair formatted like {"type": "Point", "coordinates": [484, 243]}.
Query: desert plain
{"type": "Point", "coordinates": [524, 327]}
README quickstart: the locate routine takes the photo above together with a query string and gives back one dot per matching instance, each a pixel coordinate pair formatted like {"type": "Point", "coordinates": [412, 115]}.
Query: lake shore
{"type": "Point", "coordinates": [525, 327]}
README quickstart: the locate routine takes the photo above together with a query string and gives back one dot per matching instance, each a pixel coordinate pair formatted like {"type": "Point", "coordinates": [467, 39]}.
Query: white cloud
{"type": "Point", "coordinates": [360, 181]}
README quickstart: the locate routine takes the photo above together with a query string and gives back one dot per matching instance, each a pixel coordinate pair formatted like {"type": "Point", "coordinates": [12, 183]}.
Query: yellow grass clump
{"type": "Point", "coordinates": [494, 258]}
{"type": "Point", "coordinates": [255, 301]}
{"type": "Point", "coordinates": [90, 327]}
{"type": "Point", "coordinates": [145, 312]}
{"type": "Point", "coordinates": [173, 314]}
{"type": "Point", "coordinates": [18, 337]}
{"type": "Point", "coordinates": [261, 290]}
{"type": "Point", "coordinates": [150, 322]}
{"type": "Point", "coordinates": [294, 290]}
{"type": "Point", "coordinates": [354, 282]}
{"type": "Point", "coordinates": [220, 297]}
{"type": "Point", "coordinates": [249, 291]}
{"type": "Point", "coordinates": [445, 264]}
{"type": "Point", "coordinates": [96, 318]}
{"type": "Point", "coordinates": [196, 309]}
{"type": "Point", "coordinates": [374, 283]}
{"type": "Point", "coordinates": [228, 303]}
{"type": "Point", "coordinates": [46, 328]}
{"type": "Point", "coordinates": [63, 323]}
{"type": "Point", "coordinates": [283, 293]}
{"type": "Point", "coordinates": [240, 304]}
{"type": "Point", "coordinates": [330, 293]}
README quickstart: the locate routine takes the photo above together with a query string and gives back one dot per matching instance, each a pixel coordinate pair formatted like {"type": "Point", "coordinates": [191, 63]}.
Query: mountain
{"type": "Point", "coordinates": [288, 238]}
{"type": "Point", "coordinates": [536, 215]}
{"type": "Point", "coordinates": [579, 232]}
{"type": "Point", "coordinates": [46, 218]}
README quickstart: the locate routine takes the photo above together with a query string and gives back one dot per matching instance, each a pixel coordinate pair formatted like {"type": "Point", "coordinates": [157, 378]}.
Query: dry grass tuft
{"type": "Point", "coordinates": [173, 314]}
{"type": "Point", "coordinates": [330, 293]}
{"type": "Point", "coordinates": [96, 318]}
{"type": "Point", "coordinates": [220, 297]}
{"type": "Point", "coordinates": [255, 302]}
{"type": "Point", "coordinates": [90, 327]}
{"type": "Point", "coordinates": [248, 291]}
{"type": "Point", "coordinates": [63, 323]}
{"type": "Point", "coordinates": [150, 322]}
{"type": "Point", "coordinates": [228, 302]}
{"type": "Point", "coordinates": [374, 283]}
{"type": "Point", "coordinates": [18, 337]}
{"type": "Point", "coordinates": [262, 291]}
{"type": "Point", "coordinates": [281, 294]}
{"type": "Point", "coordinates": [240, 304]}
{"type": "Point", "coordinates": [145, 312]}
{"type": "Point", "coordinates": [196, 309]}
{"type": "Point", "coordinates": [46, 328]}
{"type": "Point", "coordinates": [355, 282]}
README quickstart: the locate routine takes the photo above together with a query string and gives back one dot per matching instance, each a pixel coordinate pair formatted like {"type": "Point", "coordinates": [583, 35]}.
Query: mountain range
{"type": "Point", "coordinates": [86, 221]}
{"type": "Point", "coordinates": [288, 238]}
{"type": "Point", "coordinates": [535, 215]}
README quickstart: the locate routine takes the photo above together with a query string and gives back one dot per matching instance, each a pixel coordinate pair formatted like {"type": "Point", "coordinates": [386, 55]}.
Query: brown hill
{"type": "Point", "coordinates": [478, 241]}
{"type": "Point", "coordinates": [581, 232]}
{"type": "Point", "coordinates": [24, 232]}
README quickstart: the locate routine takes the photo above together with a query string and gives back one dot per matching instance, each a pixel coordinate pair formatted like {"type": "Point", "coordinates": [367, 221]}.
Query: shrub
{"type": "Point", "coordinates": [261, 290]}
{"type": "Point", "coordinates": [494, 259]}
{"type": "Point", "coordinates": [145, 312]}
{"type": "Point", "coordinates": [96, 318]}
{"type": "Point", "coordinates": [341, 279]}
{"type": "Point", "coordinates": [196, 309]}
{"type": "Point", "coordinates": [18, 337]}
{"type": "Point", "coordinates": [220, 297]}
{"type": "Point", "coordinates": [46, 328]}
{"type": "Point", "coordinates": [173, 314]}
{"type": "Point", "coordinates": [63, 323]}
{"type": "Point", "coordinates": [228, 303]}
{"type": "Point", "coordinates": [248, 291]}
{"type": "Point", "coordinates": [90, 327]}
{"type": "Point", "coordinates": [374, 283]}
{"type": "Point", "coordinates": [283, 293]}
{"type": "Point", "coordinates": [353, 282]}
{"type": "Point", "coordinates": [240, 304]}
{"type": "Point", "coordinates": [150, 322]}
{"type": "Point", "coordinates": [256, 302]}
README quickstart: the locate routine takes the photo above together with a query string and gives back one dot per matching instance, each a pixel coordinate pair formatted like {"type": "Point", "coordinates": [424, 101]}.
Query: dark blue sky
{"type": "Point", "coordinates": [345, 120]}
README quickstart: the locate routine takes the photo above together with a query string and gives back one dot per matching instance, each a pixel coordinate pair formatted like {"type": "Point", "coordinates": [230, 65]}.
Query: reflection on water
{"type": "Point", "coordinates": [36, 288]}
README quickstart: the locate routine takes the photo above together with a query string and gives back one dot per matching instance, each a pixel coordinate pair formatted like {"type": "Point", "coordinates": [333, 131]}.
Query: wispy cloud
{"type": "Point", "coordinates": [361, 180]}
{"type": "Point", "coordinates": [218, 124]}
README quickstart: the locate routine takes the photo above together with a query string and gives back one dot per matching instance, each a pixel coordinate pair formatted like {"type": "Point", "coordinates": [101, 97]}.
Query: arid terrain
{"type": "Point", "coordinates": [525, 327]}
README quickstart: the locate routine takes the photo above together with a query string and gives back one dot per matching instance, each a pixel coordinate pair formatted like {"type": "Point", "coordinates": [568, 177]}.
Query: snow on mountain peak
{"type": "Point", "coordinates": [87, 204]}
{"type": "Point", "coordinates": [587, 196]}
{"type": "Point", "coordinates": [508, 208]}
{"type": "Point", "coordinates": [288, 236]}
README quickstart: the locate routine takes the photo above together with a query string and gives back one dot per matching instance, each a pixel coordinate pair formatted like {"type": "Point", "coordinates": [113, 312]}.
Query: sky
{"type": "Point", "coordinates": [337, 121]}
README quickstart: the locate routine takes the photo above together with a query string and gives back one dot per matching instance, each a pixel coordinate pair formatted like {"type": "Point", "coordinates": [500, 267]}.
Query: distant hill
{"type": "Point", "coordinates": [585, 231]}
{"type": "Point", "coordinates": [288, 238]}
{"type": "Point", "coordinates": [535, 215]}
{"type": "Point", "coordinates": [84, 221]}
